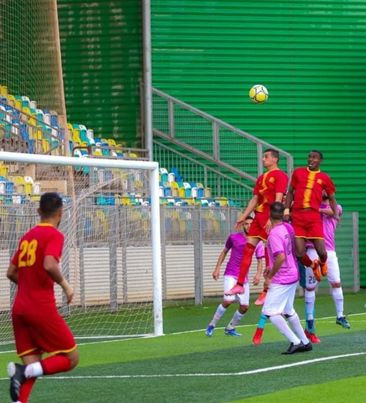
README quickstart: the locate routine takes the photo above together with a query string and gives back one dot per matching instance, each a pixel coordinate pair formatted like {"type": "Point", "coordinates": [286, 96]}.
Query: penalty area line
{"type": "Point", "coordinates": [213, 374]}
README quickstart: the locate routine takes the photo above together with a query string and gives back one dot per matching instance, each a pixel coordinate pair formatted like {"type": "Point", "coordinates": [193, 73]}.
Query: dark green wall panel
{"type": "Point", "coordinates": [102, 65]}
{"type": "Point", "coordinates": [309, 53]}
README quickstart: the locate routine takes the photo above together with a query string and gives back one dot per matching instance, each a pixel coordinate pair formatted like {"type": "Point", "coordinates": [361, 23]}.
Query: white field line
{"type": "Point", "coordinates": [213, 374]}
{"type": "Point", "coordinates": [185, 332]}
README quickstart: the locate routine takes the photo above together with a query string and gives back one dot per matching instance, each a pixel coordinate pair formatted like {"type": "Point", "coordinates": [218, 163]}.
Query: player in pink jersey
{"type": "Point", "coordinates": [235, 243]}
{"type": "Point", "coordinates": [282, 278]}
{"type": "Point", "coordinates": [334, 279]}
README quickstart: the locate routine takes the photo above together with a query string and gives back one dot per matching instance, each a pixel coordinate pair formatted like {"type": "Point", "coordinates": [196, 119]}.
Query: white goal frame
{"type": "Point", "coordinates": [153, 168]}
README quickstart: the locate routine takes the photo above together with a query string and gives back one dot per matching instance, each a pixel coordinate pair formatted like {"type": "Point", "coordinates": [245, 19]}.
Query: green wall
{"type": "Point", "coordinates": [101, 44]}
{"type": "Point", "coordinates": [309, 53]}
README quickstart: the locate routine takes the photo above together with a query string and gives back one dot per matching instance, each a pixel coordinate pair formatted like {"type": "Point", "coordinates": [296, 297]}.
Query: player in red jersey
{"type": "Point", "coordinates": [38, 327]}
{"type": "Point", "coordinates": [304, 198]}
{"type": "Point", "coordinates": [270, 187]}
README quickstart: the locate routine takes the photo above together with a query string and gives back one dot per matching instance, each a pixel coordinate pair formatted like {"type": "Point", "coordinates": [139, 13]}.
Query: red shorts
{"type": "Point", "coordinates": [41, 330]}
{"type": "Point", "coordinates": [307, 224]}
{"type": "Point", "coordinates": [256, 229]}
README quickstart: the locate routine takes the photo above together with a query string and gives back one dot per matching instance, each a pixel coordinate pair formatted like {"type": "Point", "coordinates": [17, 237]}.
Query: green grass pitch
{"type": "Point", "coordinates": [186, 366]}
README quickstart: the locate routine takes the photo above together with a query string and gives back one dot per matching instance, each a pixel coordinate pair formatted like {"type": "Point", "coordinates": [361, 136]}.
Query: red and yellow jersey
{"type": "Point", "coordinates": [266, 187]}
{"type": "Point", "coordinates": [308, 188]}
{"type": "Point", "coordinates": [34, 284]}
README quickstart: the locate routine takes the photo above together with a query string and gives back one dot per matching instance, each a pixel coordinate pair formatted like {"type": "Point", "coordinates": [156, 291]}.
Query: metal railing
{"type": "Point", "coordinates": [219, 184]}
{"type": "Point", "coordinates": [210, 139]}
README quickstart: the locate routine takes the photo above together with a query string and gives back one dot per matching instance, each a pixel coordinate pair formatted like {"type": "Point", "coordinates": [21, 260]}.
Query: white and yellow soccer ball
{"type": "Point", "coordinates": [258, 94]}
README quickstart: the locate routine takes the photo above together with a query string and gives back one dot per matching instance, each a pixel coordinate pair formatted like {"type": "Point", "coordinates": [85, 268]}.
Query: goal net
{"type": "Point", "coordinates": [111, 253]}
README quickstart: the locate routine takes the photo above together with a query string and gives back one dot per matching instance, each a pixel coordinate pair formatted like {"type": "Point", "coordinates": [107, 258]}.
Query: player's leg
{"type": "Point", "coordinates": [334, 279]}
{"type": "Point", "coordinates": [24, 376]}
{"type": "Point", "coordinates": [309, 283]}
{"type": "Point", "coordinates": [263, 294]}
{"type": "Point", "coordinates": [62, 362]}
{"type": "Point", "coordinates": [293, 318]}
{"type": "Point", "coordinates": [229, 282]}
{"type": "Point", "coordinates": [319, 245]}
{"type": "Point", "coordinates": [239, 313]}
{"type": "Point", "coordinates": [304, 259]}
{"type": "Point", "coordinates": [27, 350]}
{"type": "Point", "coordinates": [21, 386]}
{"type": "Point", "coordinates": [54, 337]}
{"type": "Point", "coordinates": [273, 307]}
{"type": "Point", "coordinates": [258, 334]}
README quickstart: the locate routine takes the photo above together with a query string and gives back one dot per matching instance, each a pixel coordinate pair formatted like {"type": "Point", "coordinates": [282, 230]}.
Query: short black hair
{"type": "Point", "coordinates": [50, 202]}
{"type": "Point", "coordinates": [274, 153]}
{"type": "Point", "coordinates": [277, 209]}
{"type": "Point", "coordinates": [318, 152]}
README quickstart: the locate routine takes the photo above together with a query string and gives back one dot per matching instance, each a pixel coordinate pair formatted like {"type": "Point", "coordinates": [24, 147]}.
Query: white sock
{"type": "Point", "coordinates": [33, 370]}
{"type": "Point", "coordinates": [309, 304]}
{"type": "Point", "coordinates": [295, 323]}
{"type": "Point", "coordinates": [218, 314]}
{"type": "Point", "coordinates": [235, 319]}
{"type": "Point", "coordinates": [337, 295]}
{"type": "Point", "coordinates": [283, 327]}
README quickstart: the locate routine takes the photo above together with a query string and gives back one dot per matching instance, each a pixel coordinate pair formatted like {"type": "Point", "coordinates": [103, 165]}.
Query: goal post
{"type": "Point", "coordinates": [112, 251]}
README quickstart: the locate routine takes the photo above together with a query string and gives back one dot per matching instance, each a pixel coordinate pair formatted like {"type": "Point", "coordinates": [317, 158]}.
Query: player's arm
{"type": "Point", "coordinates": [279, 259]}
{"type": "Point", "coordinates": [250, 207]}
{"type": "Point", "coordinates": [12, 273]}
{"type": "Point", "coordinates": [288, 202]}
{"type": "Point", "coordinates": [327, 211]}
{"type": "Point", "coordinates": [52, 266]}
{"type": "Point", "coordinates": [258, 274]}
{"type": "Point", "coordinates": [220, 261]}
{"type": "Point", "coordinates": [334, 206]}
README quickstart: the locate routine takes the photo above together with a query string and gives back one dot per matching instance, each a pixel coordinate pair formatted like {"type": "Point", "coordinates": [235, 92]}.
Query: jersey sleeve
{"type": "Point", "coordinates": [329, 187]}
{"type": "Point", "coordinates": [55, 245]}
{"type": "Point", "coordinates": [257, 186]}
{"type": "Point", "coordinates": [259, 251]}
{"type": "Point", "coordinates": [15, 258]}
{"type": "Point", "coordinates": [276, 244]}
{"type": "Point", "coordinates": [294, 178]}
{"type": "Point", "coordinates": [281, 182]}
{"type": "Point", "coordinates": [229, 243]}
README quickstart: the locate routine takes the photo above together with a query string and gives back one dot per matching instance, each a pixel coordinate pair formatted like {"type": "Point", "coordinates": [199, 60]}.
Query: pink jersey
{"type": "Point", "coordinates": [281, 239]}
{"type": "Point", "coordinates": [329, 228]}
{"type": "Point", "coordinates": [236, 243]}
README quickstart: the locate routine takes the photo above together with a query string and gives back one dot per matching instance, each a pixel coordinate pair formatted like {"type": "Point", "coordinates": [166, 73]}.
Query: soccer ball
{"type": "Point", "coordinates": [258, 94]}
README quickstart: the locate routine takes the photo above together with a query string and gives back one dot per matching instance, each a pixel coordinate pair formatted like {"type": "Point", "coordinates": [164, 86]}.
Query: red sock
{"type": "Point", "coordinates": [306, 261]}
{"type": "Point", "coordinates": [55, 364]}
{"type": "Point", "coordinates": [26, 390]}
{"type": "Point", "coordinates": [246, 261]}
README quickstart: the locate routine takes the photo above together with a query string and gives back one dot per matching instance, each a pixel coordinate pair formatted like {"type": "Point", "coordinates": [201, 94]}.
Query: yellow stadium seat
{"type": "Point", "coordinates": [4, 90]}
{"type": "Point", "coordinates": [45, 146]}
{"type": "Point", "coordinates": [76, 136]}
{"type": "Point", "coordinates": [111, 142]}
{"type": "Point", "coordinates": [4, 170]}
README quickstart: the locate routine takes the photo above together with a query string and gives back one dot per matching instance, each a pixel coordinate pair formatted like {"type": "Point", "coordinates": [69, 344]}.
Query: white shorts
{"type": "Point", "coordinates": [333, 268]}
{"type": "Point", "coordinates": [280, 299]}
{"type": "Point", "coordinates": [229, 282]}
